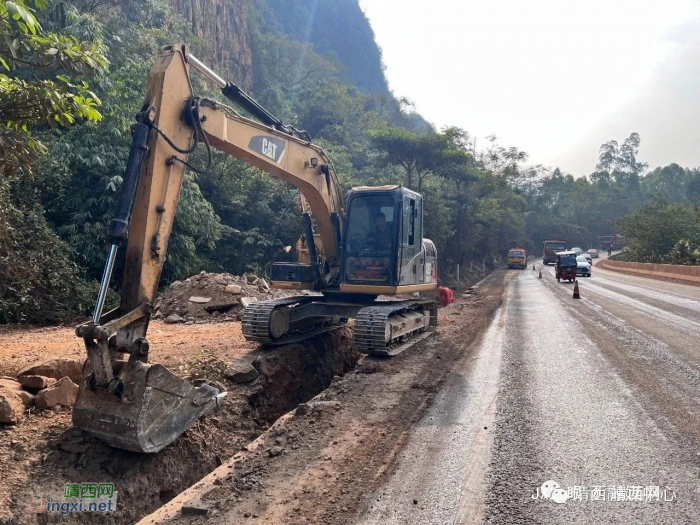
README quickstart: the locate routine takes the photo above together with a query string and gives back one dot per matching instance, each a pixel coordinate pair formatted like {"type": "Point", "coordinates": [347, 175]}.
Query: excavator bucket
{"type": "Point", "coordinates": [154, 408]}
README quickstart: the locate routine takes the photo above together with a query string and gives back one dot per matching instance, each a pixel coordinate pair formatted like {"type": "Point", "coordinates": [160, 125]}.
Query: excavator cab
{"type": "Point", "coordinates": [383, 249]}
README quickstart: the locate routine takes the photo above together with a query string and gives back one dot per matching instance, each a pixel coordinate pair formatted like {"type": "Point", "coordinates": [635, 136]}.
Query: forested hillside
{"type": "Point", "coordinates": [74, 79]}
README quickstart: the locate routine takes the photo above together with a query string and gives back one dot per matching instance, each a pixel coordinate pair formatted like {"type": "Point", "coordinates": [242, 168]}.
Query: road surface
{"type": "Point", "coordinates": [600, 395]}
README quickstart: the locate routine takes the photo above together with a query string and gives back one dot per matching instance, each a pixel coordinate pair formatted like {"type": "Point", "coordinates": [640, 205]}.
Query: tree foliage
{"type": "Point", "coordinates": [662, 232]}
{"type": "Point", "coordinates": [235, 218]}
{"type": "Point", "coordinates": [37, 87]}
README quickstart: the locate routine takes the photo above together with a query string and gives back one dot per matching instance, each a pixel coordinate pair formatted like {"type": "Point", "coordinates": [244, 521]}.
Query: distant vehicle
{"type": "Point", "coordinates": [593, 253]}
{"type": "Point", "coordinates": [566, 266]}
{"type": "Point", "coordinates": [517, 258]}
{"type": "Point", "coordinates": [583, 266]}
{"type": "Point", "coordinates": [612, 242]}
{"type": "Point", "coordinates": [577, 250]}
{"type": "Point", "coordinates": [550, 248]}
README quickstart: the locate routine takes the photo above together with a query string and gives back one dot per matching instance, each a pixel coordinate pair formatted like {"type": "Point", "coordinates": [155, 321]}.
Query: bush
{"type": "Point", "coordinates": [685, 252]}
{"type": "Point", "coordinates": [653, 232]}
{"type": "Point", "coordinates": [39, 281]}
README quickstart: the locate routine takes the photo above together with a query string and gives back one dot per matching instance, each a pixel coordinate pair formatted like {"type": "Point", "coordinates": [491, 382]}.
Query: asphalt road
{"type": "Point", "coordinates": [600, 395]}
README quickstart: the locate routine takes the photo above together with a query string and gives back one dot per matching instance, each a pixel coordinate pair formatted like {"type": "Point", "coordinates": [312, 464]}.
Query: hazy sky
{"type": "Point", "coordinates": [555, 78]}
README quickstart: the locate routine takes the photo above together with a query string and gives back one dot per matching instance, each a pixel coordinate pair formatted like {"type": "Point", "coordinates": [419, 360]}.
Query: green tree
{"type": "Point", "coordinates": [653, 231]}
{"type": "Point", "coordinates": [39, 281]}
{"type": "Point", "coordinates": [423, 155]}
{"type": "Point", "coordinates": [38, 86]}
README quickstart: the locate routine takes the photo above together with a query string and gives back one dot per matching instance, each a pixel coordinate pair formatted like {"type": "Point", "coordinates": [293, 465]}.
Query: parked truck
{"type": "Point", "coordinates": [550, 248]}
{"type": "Point", "coordinates": [612, 242]}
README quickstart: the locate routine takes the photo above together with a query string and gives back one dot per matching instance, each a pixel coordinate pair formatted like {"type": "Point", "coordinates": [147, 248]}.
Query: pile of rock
{"type": "Point", "coordinates": [46, 385]}
{"type": "Point", "coordinates": [213, 296]}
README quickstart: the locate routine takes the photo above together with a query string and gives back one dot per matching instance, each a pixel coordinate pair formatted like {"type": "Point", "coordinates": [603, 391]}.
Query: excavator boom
{"type": "Point", "coordinates": [132, 404]}
{"type": "Point", "coordinates": [138, 406]}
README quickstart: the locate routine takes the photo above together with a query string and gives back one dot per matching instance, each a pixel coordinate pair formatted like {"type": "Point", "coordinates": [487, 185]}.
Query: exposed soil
{"type": "Point", "coordinates": [171, 345]}
{"type": "Point", "coordinates": [316, 465]}
{"type": "Point", "coordinates": [44, 452]}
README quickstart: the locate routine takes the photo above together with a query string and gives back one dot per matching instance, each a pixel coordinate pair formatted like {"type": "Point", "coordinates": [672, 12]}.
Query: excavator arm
{"type": "Point", "coordinates": [143, 407]}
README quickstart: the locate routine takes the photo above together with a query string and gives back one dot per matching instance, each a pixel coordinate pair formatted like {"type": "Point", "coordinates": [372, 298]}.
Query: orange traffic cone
{"type": "Point", "coordinates": [576, 294]}
{"type": "Point", "coordinates": [540, 277]}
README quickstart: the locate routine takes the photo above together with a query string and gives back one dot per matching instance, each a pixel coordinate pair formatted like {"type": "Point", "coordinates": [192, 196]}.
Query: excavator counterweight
{"type": "Point", "coordinates": [349, 253]}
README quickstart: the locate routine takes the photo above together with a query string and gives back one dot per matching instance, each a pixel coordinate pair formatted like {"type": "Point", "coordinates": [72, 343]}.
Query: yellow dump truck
{"type": "Point", "coordinates": [517, 258]}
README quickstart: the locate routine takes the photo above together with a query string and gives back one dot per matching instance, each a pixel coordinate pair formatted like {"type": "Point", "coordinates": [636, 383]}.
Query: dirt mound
{"type": "Point", "coordinates": [213, 296]}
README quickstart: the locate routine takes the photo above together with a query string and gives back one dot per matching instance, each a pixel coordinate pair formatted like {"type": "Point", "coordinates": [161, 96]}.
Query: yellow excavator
{"type": "Point", "coordinates": [353, 248]}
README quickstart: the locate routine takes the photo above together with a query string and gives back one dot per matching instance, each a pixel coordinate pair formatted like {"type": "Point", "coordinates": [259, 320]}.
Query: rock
{"type": "Point", "coordinates": [74, 447]}
{"type": "Point", "coordinates": [199, 300]}
{"type": "Point", "coordinates": [9, 383]}
{"type": "Point", "coordinates": [247, 301]}
{"type": "Point", "coordinates": [36, 383]}
{"type": "Point", "coordinates": [191, 510]}
{"type": "Point", "coordinates": [275, 451]}
{"type": "Point", "coordinates": [173, 319]}
{"type": "Point", "coordinates": [11, 406]}
{"type": "Point", "coordinates": [234, 289]}
{"type": "Point", "coordinates": [320, 405]}
{"type": "Point", "coordinates": [64, 392]}
{"type": "Point", "coordinates": [56, 368]}
{"type": "Point", "coordinates": [251, 278]}
{"type": "Point", "coordinates": [175, 285]}
{"type": "Point", "coordinates": [240, 371]}
{"type": "Point", "coordinates": [221, 307]}
{"type": "Point", "coordinates": [369, 367]}
{"type": "Point", "coordinates": [261, 365]}
{"type": "Point", "coordinates": [27, 398]}
{"type": "Point", "coordinates": [302, 409]}
{"type": "Point", "coordinates": [263, 286]}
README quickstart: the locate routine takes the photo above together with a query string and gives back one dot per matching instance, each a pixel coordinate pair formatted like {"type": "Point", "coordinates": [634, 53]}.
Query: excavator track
{"type": "Point", "coordinates": [370, 330]}
{"type": "Point", "coordinates": [256, 322]}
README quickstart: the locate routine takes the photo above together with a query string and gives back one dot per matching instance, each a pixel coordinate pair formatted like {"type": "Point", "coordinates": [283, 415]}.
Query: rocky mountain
{"type": "Point", "coordinates": [337, 28]}
{"type": "Point", "coordinates": [223, 26]}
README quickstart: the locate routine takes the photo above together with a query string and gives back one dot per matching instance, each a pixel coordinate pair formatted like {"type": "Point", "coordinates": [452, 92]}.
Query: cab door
{"type": "Point", "coordinates": [411, 269]}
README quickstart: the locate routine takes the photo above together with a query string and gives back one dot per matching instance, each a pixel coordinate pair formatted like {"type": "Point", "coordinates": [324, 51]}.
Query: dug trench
{"type": "Point", "coordinates": [279, 465]}
{"type": "Point", "coordinates": [317, 464]}
{"type": "Point", "coordinates": [288, 376]}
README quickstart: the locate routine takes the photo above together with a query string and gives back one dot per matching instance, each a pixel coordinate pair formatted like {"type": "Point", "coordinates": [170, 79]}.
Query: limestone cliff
{"type": "Point", "coordinates": [223, 28]}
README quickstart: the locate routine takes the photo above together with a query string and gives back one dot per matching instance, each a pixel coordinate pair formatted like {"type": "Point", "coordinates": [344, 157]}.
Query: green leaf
{"type": "Point", "coordinates": [11, 8]}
